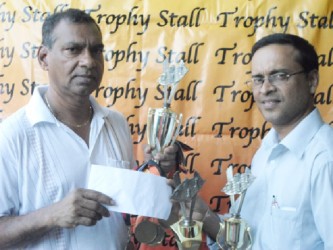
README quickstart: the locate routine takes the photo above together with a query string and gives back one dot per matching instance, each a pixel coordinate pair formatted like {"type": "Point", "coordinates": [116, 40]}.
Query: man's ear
{"type": "Point", "coordinates": [42, 57]}
{"type": "Point", "coordinates": [313, 77]}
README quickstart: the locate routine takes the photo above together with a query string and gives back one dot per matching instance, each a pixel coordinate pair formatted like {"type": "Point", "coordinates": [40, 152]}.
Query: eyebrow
{"type": "Point", "coordinates": [82, 45]}
{"type": "Point", "coordinates": [274, 71]}
{"type": "Point", "coordinates": [98, 46]}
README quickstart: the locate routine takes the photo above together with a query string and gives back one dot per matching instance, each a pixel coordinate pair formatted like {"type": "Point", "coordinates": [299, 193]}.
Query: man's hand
{"type": "Point", "coordinates": [80, 207]}
{"type": "Point", "coordinates": [166, 159]}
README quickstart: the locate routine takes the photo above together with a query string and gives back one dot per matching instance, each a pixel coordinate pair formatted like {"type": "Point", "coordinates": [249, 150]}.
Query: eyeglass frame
{"type": "Point", "coordinates": [272, 79]}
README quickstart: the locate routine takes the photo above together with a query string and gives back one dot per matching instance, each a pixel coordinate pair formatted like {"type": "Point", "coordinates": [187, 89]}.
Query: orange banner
{"type": "Point", "coordinates": [213, 38]}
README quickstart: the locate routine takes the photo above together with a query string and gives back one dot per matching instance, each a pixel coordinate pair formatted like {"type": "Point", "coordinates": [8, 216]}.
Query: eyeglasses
{"type": "Point", "coordinates": [275, 79]}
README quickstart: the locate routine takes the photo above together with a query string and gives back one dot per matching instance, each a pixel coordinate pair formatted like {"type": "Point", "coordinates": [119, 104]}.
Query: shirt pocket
{"type": "Point", "coordinates": [285, 227]}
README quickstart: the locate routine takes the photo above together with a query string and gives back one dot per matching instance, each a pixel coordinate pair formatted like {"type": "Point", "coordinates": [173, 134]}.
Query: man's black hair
{"type": "Point", "coordinates": [307, 58]}
{"type": "Point", "coordinates": [72, 15]}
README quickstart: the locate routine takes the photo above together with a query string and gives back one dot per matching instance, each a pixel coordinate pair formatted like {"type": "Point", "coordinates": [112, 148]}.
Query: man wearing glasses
{"type": "Point", "coordinates": [289, 204]}
{"type": "Point", "coordinates": [295, 162]}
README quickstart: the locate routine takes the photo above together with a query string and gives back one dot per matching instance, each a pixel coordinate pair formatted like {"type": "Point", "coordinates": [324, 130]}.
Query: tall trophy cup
{"type": "Point", "coordinates": [163, 125]}
{"type": "Point", "coordinates": [187, 230]}
{"type": "Point", "coordinates": [234, 232]}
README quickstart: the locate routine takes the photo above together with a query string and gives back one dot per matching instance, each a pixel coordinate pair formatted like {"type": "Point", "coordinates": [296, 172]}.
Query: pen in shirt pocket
{"type": "Point", "coordinates": [275, 204]}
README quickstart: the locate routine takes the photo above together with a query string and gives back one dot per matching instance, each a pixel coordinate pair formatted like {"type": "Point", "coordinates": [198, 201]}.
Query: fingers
{"type": "Point", "coordinates": [84, 217]}
{"type": "Point", "coordinates": [81, 207]}
{"type": "Point", "coordinates": [171, 149]}
{"type": "Point", "coordinates": [96, 196]}
{"type": "Point", "coordinates": [92, 209]}
{"type": "Point", "coordinates": [92, 201]}
{"type": "Point", "coordinates": [168, 154]}
{"type": "Point", "coordinates": [167, 159]}
{"type": "Point", "coordinates": [88, 217]}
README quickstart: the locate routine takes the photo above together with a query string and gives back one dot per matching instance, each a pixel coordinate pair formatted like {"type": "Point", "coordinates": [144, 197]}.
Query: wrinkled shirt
{"type": "Point", "coordinates": [42, 160]}
{"type": "Point", "coordinates": [289, 205]}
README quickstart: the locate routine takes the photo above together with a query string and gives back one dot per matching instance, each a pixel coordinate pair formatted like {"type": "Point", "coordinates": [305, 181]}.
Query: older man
{"type": "Point", "coordinates": [47, 147]}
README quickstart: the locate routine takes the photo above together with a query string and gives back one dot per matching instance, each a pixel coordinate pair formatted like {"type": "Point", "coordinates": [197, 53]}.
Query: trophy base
{"type": "Point", "coordinates": [234, 234]}
{"type": "Point", "coordinates": [189, 234]}
{"type": "Point", "coordinates": [193, 246]}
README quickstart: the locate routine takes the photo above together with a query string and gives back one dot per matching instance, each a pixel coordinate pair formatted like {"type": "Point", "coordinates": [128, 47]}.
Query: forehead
{"type": "Point", "coordinates": [68, 32]}
{"type": "Point", "coordinates": [274, 57]}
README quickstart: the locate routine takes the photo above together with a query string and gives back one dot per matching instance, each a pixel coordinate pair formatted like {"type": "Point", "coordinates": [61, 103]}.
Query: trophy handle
{"type": "Point", "coordinates": [163, 127]}
{"type": "Point", "coordinates": [178, 127]}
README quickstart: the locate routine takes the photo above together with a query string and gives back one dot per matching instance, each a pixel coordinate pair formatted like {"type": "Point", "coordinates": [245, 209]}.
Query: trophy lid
{"type": "Point", "coordinates": [238, 183]}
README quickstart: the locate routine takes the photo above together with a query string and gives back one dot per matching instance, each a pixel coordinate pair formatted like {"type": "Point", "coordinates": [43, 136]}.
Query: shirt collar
{"type": "Point", "coordinates": [37, 110]}
{"type": "Point", "coordinates": [298, 139]}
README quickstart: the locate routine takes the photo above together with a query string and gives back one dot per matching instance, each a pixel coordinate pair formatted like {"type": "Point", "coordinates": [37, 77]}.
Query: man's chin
{"type": "Point", "coordinates": [270, 116]}
{"type": "Point", "coordinates": [84, 90]}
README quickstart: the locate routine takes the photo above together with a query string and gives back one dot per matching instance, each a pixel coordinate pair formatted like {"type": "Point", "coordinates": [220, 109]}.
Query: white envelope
{"type": "Point", "coordinates": [134, 192]}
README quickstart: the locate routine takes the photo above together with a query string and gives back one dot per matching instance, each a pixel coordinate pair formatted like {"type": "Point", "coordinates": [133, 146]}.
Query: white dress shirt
{"type": "Point", "coordinates": [42, 160]}
{"type": "Point", "coordinates": [289, 205]}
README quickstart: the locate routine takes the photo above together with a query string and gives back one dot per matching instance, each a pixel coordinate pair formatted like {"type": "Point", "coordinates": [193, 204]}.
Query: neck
{"type": "Point", "coordinates": [284, 130]}
{"type": "Point", "coordinates": [74, 121]}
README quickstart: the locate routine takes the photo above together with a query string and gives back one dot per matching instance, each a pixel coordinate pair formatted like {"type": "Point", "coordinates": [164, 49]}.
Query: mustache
{"type": "Point", "coordinates": [89, 74]}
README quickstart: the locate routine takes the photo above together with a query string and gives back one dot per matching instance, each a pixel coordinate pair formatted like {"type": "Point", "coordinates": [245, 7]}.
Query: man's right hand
{"type": "Point", "coordinates": [80, 207]}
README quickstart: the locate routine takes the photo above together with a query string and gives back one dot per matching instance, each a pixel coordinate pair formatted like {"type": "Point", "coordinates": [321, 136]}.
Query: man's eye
{"type": "Point", "coordinates": [98, 51]}
{"type": "Point", "coordinates": [257, 80]}
{"type": "Point", "coordinates": [279, 76]}
{"type": "Point", "coordinates": [72, 50]}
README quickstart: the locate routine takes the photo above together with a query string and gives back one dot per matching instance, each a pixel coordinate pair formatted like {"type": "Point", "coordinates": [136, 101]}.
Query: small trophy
{"type": "Point", "coordinates": [234, 232]}
{"type": "Point", "coordinates": [187, 230]}
{"type": "Point", "coordinates": [163, 125]}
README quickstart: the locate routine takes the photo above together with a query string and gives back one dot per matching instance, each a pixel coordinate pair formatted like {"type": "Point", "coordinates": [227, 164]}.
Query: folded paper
{"type": "Point", "coordinates": [134, 192]}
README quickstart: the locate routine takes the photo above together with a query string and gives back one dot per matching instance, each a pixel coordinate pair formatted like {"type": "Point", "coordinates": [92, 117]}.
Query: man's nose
{"type": "Point", "coordinates": [87, 59]}
{"type": "Point", "coordinates": [267, 85]}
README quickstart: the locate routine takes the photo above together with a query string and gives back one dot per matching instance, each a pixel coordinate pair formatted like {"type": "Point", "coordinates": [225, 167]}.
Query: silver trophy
{"type": "Point", "coordinates": [163, 125]}
{"type": "Point", "coordinates": [234, 232]}
{"type": "Point", "coordinates": [187, 230]}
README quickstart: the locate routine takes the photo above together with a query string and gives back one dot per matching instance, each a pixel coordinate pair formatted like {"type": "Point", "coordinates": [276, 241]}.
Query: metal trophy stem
{"type": "Point", "coordinates": [188, 231]}
{"type": "Point", "coordinates": [235, 232]}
